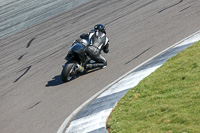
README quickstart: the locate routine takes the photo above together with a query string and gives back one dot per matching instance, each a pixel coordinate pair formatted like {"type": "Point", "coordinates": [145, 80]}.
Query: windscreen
{"type": "Point", "coordinates": [76, 47]}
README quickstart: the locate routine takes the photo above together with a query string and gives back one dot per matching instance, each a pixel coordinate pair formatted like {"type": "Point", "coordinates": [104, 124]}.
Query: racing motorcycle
{"type": "Point", "coordinates": [76, 62]}
{"type": "Point", "coordinates": [77, 58]}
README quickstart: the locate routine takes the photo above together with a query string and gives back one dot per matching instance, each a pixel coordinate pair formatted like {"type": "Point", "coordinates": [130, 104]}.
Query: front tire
{"type": "Point", "coordinates": [66, 74]}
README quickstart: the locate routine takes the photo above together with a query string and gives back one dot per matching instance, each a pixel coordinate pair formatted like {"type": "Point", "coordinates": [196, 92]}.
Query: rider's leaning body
{"type": "Point", "coordinates": [98, 41]}
{"type": "Point", "coordinates": [95, 42]}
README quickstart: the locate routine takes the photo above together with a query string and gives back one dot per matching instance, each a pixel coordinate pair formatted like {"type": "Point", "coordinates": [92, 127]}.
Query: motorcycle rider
{"type": "Point", "coordinates": [98, 41]}
{"type": "Point", "coordinates": [95, 42]}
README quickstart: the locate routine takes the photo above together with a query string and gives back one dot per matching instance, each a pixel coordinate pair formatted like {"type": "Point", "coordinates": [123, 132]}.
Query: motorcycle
{"type": "Point", "coordinates": [77, 58]}
{"type": "Point", "coordinates": [76, 62]}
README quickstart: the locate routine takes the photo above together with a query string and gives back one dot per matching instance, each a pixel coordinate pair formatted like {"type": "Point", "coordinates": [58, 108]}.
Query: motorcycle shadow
{"type": "Point", "coordinates": [55, 81]}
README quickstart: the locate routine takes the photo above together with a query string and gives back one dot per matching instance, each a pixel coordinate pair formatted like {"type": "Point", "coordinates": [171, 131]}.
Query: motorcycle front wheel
{"type": "Point", "coordinates": [67, 72]}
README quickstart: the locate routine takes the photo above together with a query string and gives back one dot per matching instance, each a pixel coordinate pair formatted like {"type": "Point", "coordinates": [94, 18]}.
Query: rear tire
{"type": "Point", "coordinates": [66, 72]}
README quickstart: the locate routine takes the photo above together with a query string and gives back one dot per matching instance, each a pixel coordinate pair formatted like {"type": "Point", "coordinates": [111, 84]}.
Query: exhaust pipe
{"type": "Point", "coordinates": [79, 68]}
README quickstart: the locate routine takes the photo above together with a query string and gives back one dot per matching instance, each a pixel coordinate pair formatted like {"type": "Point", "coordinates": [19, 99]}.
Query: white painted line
{"type": "Point", "coordinates": [117, 88]}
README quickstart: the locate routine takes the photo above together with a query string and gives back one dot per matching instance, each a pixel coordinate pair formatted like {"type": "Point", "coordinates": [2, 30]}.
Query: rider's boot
{"type": "Point", "coordinates": [95, 65]}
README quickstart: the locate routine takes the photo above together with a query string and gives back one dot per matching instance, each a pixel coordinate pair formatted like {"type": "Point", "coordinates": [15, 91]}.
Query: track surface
{"type": "Point", "coordinates": [17, 15]}
{"type": "Point", "coordinates": [32, 97]}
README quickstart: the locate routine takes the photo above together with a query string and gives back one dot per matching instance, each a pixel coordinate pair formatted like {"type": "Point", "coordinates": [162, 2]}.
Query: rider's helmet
{"type": "Point", "coordinates": [100, 27]}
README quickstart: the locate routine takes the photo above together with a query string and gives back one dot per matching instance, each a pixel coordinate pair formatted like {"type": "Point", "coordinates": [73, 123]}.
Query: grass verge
{"type": "Point", "coordinates": [166, 101]}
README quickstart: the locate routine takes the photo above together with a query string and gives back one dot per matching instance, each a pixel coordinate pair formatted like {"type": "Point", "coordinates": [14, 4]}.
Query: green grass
{"type": "Point", "coordinates": [166, 101]}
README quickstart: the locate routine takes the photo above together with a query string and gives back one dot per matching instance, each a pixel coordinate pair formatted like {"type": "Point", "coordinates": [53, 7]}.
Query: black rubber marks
{"type": "Point", "coordinates": [29, 43]}
{"type": "Point", "coordinates": [27, 46]}
{"type": "Point", "coordinates": [27, 69]}
{"type": "Point", "coordinates": [186, 8]}
{"type": "Point", "coordinates": [20, 57]}
{"type": "Point", "coordinates": [35, 105]}
{"type": "Point", "coordinates": [138, 55]}
{"type": "Point", "coordinates": [170, 6]}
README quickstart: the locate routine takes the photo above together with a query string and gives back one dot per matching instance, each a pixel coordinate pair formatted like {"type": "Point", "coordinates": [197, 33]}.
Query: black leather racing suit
{"type": "Point", "coordinates": [98, 42]}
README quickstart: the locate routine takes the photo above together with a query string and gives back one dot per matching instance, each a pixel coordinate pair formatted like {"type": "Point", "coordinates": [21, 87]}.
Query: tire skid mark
{"type": "Point", "coordinates": [22, 56]}
{"type": "Point", "coordinates": [29, 43]}
{"type": "Point", "coordinates": [27, 69]}
{"type": "Point", "coordinates": [27, 46]}
{"type": "Point", "coordinates": [185, 8]}
{"type": "Point", "coordinates": [138, 55]}
{"type": "Point", "coordinates": [35, 105]}
{"type": "Point", "coordinates": [170, 6]}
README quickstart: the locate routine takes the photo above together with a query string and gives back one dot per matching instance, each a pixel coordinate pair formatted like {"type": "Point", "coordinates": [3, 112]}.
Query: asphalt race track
{"type": "Point", "coordinates": [32, 97]}
{"type": "Point", "coordinates": [17, 15]}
